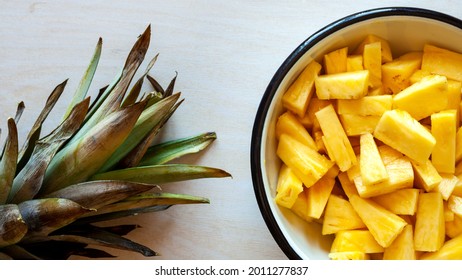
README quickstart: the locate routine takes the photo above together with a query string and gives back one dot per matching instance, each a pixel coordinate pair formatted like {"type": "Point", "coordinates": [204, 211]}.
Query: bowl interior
{"type": "Point", "coordinates": [406, 30]}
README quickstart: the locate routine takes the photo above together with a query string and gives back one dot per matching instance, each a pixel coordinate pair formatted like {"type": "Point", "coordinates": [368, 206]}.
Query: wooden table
{"type": "Point", "coordinates": [225, 53]}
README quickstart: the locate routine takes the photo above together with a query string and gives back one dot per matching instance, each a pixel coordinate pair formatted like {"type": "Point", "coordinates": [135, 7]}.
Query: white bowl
{"type": "Point", "coordinates": [406, 29]}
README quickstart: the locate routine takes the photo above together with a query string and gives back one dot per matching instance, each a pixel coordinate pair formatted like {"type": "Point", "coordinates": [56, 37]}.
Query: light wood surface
{"type": "Point", "coordinates": [225, 53]}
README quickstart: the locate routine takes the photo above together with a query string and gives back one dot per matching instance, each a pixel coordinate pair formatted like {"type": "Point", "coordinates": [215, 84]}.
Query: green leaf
{"type": "Point", "coordinates": [159, 174]}
{"type": "Point", "coordinates": [85, 83]}
{"type": "Point", "coordinates": [120, 214]}
{"type": "Point", "coordinates": [8, 161]}
{"type": "Point", "coordinates": [12, 226]}
{"type": "Point", "coordinates": [34, 133]}
{"type": "Point", "coordinates": [95, 194]}
{"type": "Point", "coordinates": [29, 180]}
{"type": "Point", "coordinates": [165, 152]}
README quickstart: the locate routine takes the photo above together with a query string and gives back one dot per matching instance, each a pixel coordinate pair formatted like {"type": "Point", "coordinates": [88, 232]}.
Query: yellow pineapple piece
{"type": "Point", "coordinates": [451, 250]}
{"type": "Point", "coordinates": [448, 214]}
{"type": "Point", "coordinates": [372, 168]}
{"type": "Point", "coordinates": [443, 62]}
{"type": "Point", "coordinates": [426, 175]}
{"type": "Point", "coordinates": [340, 215]}
{"type": "Point", "coordinates": [288, 123]}
{"type": "Point", "coordinates": [372, 61]}
{"type": "Point", "coordinates": [443, 128]}
{"type": "Point", "coordinates": [420, 100]}
{"type": "Point", "coordinates": [355, 125]}
{"type": "Point", "coordinates": [447, 185]}
{"type": "Point", "coordinates": [347, 85]}
{"type": "Point", "coordinates": [458, 145]}
{"type": "Point", "coordinates": [403, 246]}
{"type": "Point", "coordinates": [355, 241]}
{"type": "Point", "coordinates": [418, 75]}
{"type": "Point", "coordinates": [458, 187]}
{"type": "Point", "coordinates": [336, 61]}
{"type": "Point", "coordinates": [429, 233]}
{"type": "Point", "coordinates": [366, 106]}
{"type": "Point", "coordinates": [348, 186]}
{"type": "Point", "coordinates": [454, 228]}
{"type": "Point", "coordinates": [298, 95]}
{"type": "Point", "coordinates": [335, 139]}
{"type": "Point", "coordinates": [317, 196]}
{"type": "Point", "coordinates": [400, 202]}
{"type": "Point", "coordinates": [383, 224]}
{"type": "Point", "coordinates": [400, 176]}
{"type": "Point", "coordinates": [454, 98]}
{"type": "Point", "coordinates": [317, 134]}
{"type": "Point", "coordinates": [354, 63]}
{"type": "Point", "coordinates": [307, 164]}
{"type": "Point", "coordinates": [345, 256]}
{"type": "Point", "coordinates": [396, 74]}
{"type": "Point", "coordinates": [399, 130]}
{"type": "Point", "coordinates": [455, 204]}
{"type": "Point", "coordinates": [309, 120]}
{"type": "Point", "coordinates": [288, 187]}
{"type": "Point", "coordinates": [300, 207]}
{"type": "Point", "coordinates": [386, 50]}
{"type": "Point", "coordinates": [389, 154]}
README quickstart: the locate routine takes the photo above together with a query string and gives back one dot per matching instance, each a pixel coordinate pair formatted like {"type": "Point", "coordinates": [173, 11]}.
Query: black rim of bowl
{"type": "Point", "coordinates": [256, 142]}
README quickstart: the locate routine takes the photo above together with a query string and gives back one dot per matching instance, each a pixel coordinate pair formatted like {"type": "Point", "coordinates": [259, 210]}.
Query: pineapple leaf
{"type": "Point", "coordinates": [159, 174]}
{"type": "Point", "coordinates": [155, 84]}
{"type": "Point", "coordinates": [95, 194]}
{"type": "Point", "coordinates": [34, 133]}
{"type": "Point", "coordinates": [12, 226]}
{"type": "Point", "coordinates": [165, 152]}
{"type": "Point", "coordinates": [148, 200]}
{"type": "Point", "coordinates": [61, 250]}
{"type": "Point", "coordinates": [81, 159]}
{"type": "Point", "coordinates": [19, 111]}
{"type": "Point", "coordinates": [27, 183]}
{"type": "Point", "coordinates": [133, 158]}
{"type": "Point", "coordinates": [43, 216]}
{"type": "Point", "coordinates": [149, 118]}
{"type": "Point", "coordinates": [169, 90]}
{"type": "Point", "coordinates": [85, 83]}
{"type": "Point", "coordinates": [93, 235]}
{"type": "Point", "coordinates": [121, 229]}
{"type": "Point", "coordinates": [8, 161]}
{"type": "Point", "coordinates": [120, 214]}
{"type": "Point", "coordinates": [17, 252]}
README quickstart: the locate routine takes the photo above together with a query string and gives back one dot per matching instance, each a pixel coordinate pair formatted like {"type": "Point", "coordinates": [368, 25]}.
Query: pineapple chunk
{"type": "Point", "coordinates": [451, 250]}
{"type": "Point", "coordinates": [298, 95]}
{"type": "Point", "coordinates": [317, 196]}
{"type": "Point", "coordinates": [383, 224]}
{"type": "Point", "coordinates": [386, 50]}
{"type": "Point", "coordinates": [400, 202]}
{"type": "Point", "coordinates": [429, 231]}
{"type": "Point", "coordinates": [340, 215]}
{"type": "Point", "coordinates": [389, 154]}
{"type": "Point", "coordinates": [355, 125]}
{"type": "Point", "coordinates": [454, 228]}
{"type": "Point", "coordinates": [345, 256]}
{"type": "Point", "coordinates": [348, 85]}
{"type": "Point", "coordinates": [366, 106]}
{"type": "Point", "coordinates": [288, 124]}
{"type": "Point", "coordinates": [355, 241]}
{"type": "Point", "coordinates": [373, 170]}
{"type": "Point", "coordinates": [455, 204]}
{"type": "Point", "coordinates": [420, 100]}
{"type": "Point", "coordinates": [335, 139]}
{"type": "Point", "coordinates": [336, 61]}
{"type": "Point", "coordinates": [348, 186]}
{"type": "Point", "coordinates": [400, 176]}
{"type": "Point", "coordinates": [447, 185]}
{"type": "Point", "coordinates": [309, 120]}
{"type": "Point", "coordinates": [288, 187]}
{"type": "Point", "coordinates": [443, 62]}
{"type": "Point", "coordinates": [372, 61]}
{"type": "Point", "coordinates": [454, 97]}
{"type": "Point", "coordinates": [307, 164]}
{"type": "Point", "coordinates": [426, 175]}
{"type": "Point", "coordinates": [403, 246]}
{"type": "Point", "coordinates": [300, 207]}
{"type": "Point", "coordinates": [400, 131]}
{"type": "Point", "coordinates": [443, 128]}
{"type": "Point", "coordinates": [354, 63]}
{"type": "Point", "coordinates": [459, 145]}
{"type": "Point", "coordinates": [396, 74]}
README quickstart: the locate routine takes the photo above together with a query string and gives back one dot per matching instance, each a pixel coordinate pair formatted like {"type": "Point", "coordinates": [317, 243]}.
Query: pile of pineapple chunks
{"type": "Point", "coordinates": [371, 148]}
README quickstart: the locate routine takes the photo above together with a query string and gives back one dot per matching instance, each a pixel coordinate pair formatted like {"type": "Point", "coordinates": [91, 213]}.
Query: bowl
{"type": "Point", "coordinates": [406, 29]}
